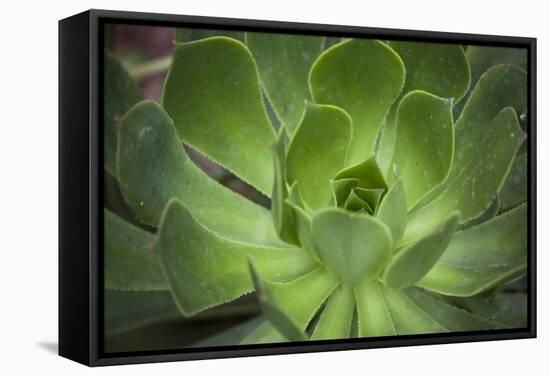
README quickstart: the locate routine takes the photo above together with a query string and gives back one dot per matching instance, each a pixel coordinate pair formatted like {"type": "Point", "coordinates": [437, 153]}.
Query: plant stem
{"type": "Point", "coordinates": [151, 68]}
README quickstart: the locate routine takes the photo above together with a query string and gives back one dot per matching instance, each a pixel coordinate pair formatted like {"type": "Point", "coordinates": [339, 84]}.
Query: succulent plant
{"type": "Point", "coordinates": [396, 173]}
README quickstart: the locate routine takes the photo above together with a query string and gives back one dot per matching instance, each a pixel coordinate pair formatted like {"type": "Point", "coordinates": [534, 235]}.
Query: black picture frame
{"type": "Point", "coordinates": [81, 179]}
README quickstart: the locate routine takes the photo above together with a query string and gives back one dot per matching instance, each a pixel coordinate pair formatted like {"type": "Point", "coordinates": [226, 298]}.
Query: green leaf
{"type": "Point", "coordinates": [407, 316]}
{"type": "Point", "coordinates": [489, 213]}
{"type": "Point", "coordinates": [265, 333]}
{"type": "Point", "coordinates": [367, 172]}
{"type": "Point", "coordinates": [120, 93]}
{"type": "Point", "coordinates": [284, 61]}
{"type": "Point", "coordinates": [129, 262]}
{"type": "Point", "coordinates": [473, 188]}
{"type": "Point", "coordinates": [335, 321]}
{"type": "Point", "coordinates": [282, 214]}
{"type": "Point", "coordinates": [371, 196]}
{"type": "Point", "coordinates": [302, 220]}
{"type": "Point", "coordinates": [480, 304]}
{"type": "Point", "coordinates": [441, 69]}
{"type": "Point", "coordinates": [354, 247]}
{"type": "Point", "coordinates": [292, 305]}
{"type": "Point", "coordinates": [482, 256]}
{"type": "Point", "coordinates": [424, 142]}
{"type": "Point", "coordinates": [452, 318]}
{"type": "Point", "coordinates": [393, 210]}
{"type": "Point", "coordinates": [284, 324]}
{"type": "Point", "coordinates": [511, 309]}
{"type": "Point", "coordinates": [411, 263]}
{"type": "Point", "coordinates": [127, 310]}
{"type": "Point", "coordinates": [375, 318]}
{"type": "Point", "coordinates": [234, 335]}
{"type": "Point", "coordinates": [153, 168]}
{"type": "Point", "coordinates": [192, 34]}
{"type": "Point", "coordinates": [355, 203]}
{"type": "Point", "coordinates": [481, 58]}
{"type": "Point", "coordinates": [205, 270]}
{"type": "Point", "coordinates": [341, 189]}
{"type": "Point", "coordinates": [514, 190]}
{"type": "Point", "coordinates": [500, 87]}
{"type": "Point", "coordinates": [364, 77]}
{"type": "Point", "coordinates": [212, 93]}
{"type": "Point", "coordinates": [318, 151]}
{"type": "Point", "coordinates": [383, 312]}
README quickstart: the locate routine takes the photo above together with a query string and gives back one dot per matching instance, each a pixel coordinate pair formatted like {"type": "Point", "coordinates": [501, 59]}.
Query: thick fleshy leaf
{"type": "Point", "coordinates": [153, 168]}
{"type": "Point", "coordinates": [129, 262]}
{"type": "Point", "coordinates": [452, 318]}
{"type": "Point", "coordinates": [489, 213]}
{"type": "Point", "coordinates": [284, 61]}
{"type": "Point", "coordinates": [424, 142]}
{"type": "Point", "coordinates": [265, 333]}
{"type": "Point", "coordinates": [286, 325]}
{"type": "Point", "coordinates": [355, 203]}
{"type": "Point", "coordinates": [372, 196]}
{"type": "Point", "coordinates": [341, 189]}
{"type": "Point", "coordinates": [120, 93]}
{"type": "Point", "coordinates": [472, 189]}
{"type": "Point", "coordinates": [500, 87]}
{"type": "Point", "coordinates": [364, 77]}
{"type": "Point", "coordinates": [331, 41]}
{"type": "Point", "coordinates": [335, 321]}
{"type": "Point", "coordinates": [407, 316]}
{"type": "Point", "coordinates": [367, 172]}
{"type": "Point", "coordinates": [482, 256]}
{"type": "Point", "coordinates": [481, 58]}
{"type": "Point", "coordinates": [352, 246]}
{"type": "Point", "coordinates": [412, 262]}
{"type": "Point", "coordinates": [393, 210]}
{"type": "Point", "coordinates": [126, 310]}
{"type": "Point", "coordinates": [481, 304]}
{"type": "Point", "coordinates": [383, 312]}
{"type": "Point", "coordinates": [511, 309]}
{"type": "Point", "coordinates": [441, 69]}
{"type": "Point", "coordinates": [514, 190]}
{"type": "Point", "coordinates": [318, 151]}
{"type": "Point", "coordinates": [302, 220]}
{"type": "Point", "coordinates": [292, 305]}
{"type": "Point", "coordinates": [282, 213]}
{"type": "Point", "coordinates": [205, 270]}
{"type": "Point", "coordinates": [234, 335]}
{"type": "Point", "coordinates": [212, 93]}
{"type": "Point", "coordinates": [191, 34]}
{"type": "Point", "coordinates": [375, 318]}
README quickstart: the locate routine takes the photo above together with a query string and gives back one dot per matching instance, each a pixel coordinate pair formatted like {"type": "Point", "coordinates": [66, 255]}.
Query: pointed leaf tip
{"type": "Point", "coordinates": [412, 262]}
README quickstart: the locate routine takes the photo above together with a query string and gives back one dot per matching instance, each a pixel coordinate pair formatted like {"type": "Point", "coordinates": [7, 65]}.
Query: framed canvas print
{"type": "Point", "coordinates": [238, 187]}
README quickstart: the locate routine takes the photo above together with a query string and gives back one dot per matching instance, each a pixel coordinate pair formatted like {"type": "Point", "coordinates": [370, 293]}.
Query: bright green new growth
{"type": "Point", "coordinates": [389, 214]}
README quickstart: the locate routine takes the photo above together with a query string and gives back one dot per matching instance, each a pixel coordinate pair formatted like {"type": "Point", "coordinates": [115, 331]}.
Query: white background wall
{"type": "Point", "coordinates": [28, 186]}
